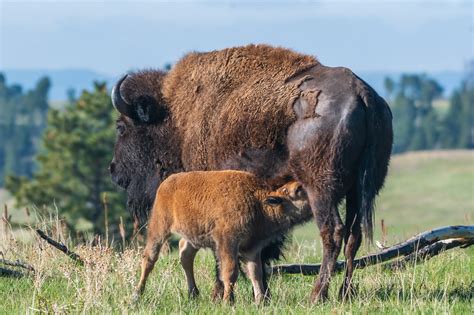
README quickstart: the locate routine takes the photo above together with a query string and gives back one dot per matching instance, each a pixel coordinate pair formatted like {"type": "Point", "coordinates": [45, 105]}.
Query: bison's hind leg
{"type": "Point", "coordinates": [331, 231]}
{"type": "Point", "coordinates": [352, 241]}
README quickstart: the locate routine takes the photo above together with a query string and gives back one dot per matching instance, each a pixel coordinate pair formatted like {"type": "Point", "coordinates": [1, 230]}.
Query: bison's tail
{"type": "Point", "coordinates": [366, 180]}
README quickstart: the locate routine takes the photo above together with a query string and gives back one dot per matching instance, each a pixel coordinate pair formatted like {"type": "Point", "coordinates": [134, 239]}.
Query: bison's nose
{"type": "Point", "coordinates": [112, 167]}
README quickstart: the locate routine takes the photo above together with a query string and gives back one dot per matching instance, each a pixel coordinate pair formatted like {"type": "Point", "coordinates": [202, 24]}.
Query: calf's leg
{"type": "Point", "coordinates": [187, 253]}
{"type": "Point", "coordinates": [255, 273]}
{"type": "Point", "coordinates": [227, 253]}
{"type": "Point", "coordinates": [155, 240]}
{"type": "Point", "coordinates": [218, 290]}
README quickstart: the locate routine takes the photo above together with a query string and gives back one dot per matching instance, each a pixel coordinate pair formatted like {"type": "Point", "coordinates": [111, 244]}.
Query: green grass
{"type": "Point", "coordinates": [423, 191]}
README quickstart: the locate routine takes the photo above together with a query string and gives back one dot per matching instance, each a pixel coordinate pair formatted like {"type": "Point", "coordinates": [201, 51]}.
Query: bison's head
{"type": "Point", "coordinates": [146, 148]}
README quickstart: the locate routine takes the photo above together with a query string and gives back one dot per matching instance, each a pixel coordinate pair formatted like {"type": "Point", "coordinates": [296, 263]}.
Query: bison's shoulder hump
{"type": "Point", "coordinates": [221, 100]}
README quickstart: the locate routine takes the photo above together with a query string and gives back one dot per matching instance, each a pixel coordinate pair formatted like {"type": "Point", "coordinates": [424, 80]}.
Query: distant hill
{"type": "Point", "coordinates": [61, 80]}
{"type": "Point", "coordinates": [80, 79]}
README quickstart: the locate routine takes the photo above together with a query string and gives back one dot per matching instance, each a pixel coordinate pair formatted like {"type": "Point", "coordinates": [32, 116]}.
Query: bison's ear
{"type": "Point", "coordinates": [273, 200]}
{"type": "Point", "coordinates": [142, 109]}
{"type": "Point", "coordinates": [148, 110]}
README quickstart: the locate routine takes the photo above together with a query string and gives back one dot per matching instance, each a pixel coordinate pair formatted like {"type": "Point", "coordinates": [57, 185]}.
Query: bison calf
{"type": "Point", "coordinates": [232, 212]}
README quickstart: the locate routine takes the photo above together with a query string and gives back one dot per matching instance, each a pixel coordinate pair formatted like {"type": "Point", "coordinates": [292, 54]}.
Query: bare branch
{"type": "Point", "coordinates": [61, 247]}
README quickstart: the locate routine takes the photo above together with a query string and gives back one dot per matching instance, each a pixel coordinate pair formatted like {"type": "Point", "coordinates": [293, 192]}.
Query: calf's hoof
{"type": "Point", "coordinates": [135, 298]}
{"type": "Point", "coordinates": [229, 299]}
{"type": "Point", "coordinates": [217, 293]}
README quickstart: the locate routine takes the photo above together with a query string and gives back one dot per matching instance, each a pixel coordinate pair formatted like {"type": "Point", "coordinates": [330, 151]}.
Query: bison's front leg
{"type": "Point", "coordinates": [332, 232]}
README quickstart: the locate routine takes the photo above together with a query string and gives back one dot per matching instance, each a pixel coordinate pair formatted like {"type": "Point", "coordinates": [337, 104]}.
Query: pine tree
{"type": "Point", "coordinates": [416, 123]}
{"type": "Point", "coordinates": [77, 148]}
{"type": "Point", "coordinates": [22, 121]}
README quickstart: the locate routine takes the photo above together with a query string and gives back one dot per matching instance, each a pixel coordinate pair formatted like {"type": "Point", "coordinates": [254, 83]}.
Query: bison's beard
{"type": "Point", "coordinates": [141, 196]}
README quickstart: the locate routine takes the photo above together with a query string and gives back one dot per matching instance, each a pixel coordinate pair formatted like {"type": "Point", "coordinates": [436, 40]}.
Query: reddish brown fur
{"type": "Point", "coordinates": [229, 211]}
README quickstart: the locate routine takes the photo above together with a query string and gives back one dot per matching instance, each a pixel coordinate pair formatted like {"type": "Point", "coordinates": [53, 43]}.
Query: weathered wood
{"type": "Point", "coordinates": [17, 263]}
{"type": "Point", "coordinates": [427, 252]}
{"type": "Point", "coordinates": [61, 247]}
{"type": "Point", "coordinates": [408, 247]}
{"type": "Point", "coordinates": [10, 273]}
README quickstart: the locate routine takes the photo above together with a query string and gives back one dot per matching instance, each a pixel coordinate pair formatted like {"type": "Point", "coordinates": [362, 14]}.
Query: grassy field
{"type": "Point", "coordinates": [423, 191]}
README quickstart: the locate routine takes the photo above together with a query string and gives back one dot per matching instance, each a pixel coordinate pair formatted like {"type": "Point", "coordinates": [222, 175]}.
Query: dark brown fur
{"type": "Point", "coordinates": [271, 111]}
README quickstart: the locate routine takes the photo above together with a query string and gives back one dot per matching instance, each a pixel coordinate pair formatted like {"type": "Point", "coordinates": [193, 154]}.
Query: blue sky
{"type": "Point", "coordinates": [115, 36]}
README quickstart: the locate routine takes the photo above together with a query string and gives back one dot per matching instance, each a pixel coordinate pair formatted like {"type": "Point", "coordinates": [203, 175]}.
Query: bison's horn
{"type": "Point", "coordinates": [117, 100]}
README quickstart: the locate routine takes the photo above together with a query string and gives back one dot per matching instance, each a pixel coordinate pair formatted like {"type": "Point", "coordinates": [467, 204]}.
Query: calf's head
{"type": "Point", "coordinates": [146, 149]}
{"type": "Point", "coordinates": [292, 199]}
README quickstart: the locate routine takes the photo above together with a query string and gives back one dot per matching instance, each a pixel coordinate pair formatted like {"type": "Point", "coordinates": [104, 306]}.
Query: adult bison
{"type": "Point", "coordinates": [268, 110]}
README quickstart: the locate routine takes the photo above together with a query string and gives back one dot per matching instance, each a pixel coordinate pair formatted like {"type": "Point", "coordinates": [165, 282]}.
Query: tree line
{"type": "Point", "coordinates": [75, 147]}
{"type": "Point", "coordinates": [60, 156]}
{"type": "Point", "coordinates": [22, 120]}
{"type": "Point", "coordinates": [420, 125]}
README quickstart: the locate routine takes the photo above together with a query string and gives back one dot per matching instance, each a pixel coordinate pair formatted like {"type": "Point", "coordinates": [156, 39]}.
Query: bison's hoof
{"type": "Point", "coordinates": [319, 295]}
{"type": "Point", "coordinates": [193, 293]}
{"type": "Point", "coordinates": [347, 292]}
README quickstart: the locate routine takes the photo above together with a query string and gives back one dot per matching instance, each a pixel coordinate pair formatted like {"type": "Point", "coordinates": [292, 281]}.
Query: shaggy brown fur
{"type": "Point", "coordinates": [232, 212]}
{"type": "Point", "coordinates": [232, 87]}
{"type": "Point", "coordinates": [270, 111]}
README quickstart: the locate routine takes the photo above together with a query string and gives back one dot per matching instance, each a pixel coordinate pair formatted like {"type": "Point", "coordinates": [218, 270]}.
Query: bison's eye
{"type": "Point", "coordinates": [299, 191]}
{"type": "Point", "coordinates": [121, 128]}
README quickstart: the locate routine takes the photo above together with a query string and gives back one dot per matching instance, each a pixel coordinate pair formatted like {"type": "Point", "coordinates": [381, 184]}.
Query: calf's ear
{"type": "Point", "coordinates": [273, 200]}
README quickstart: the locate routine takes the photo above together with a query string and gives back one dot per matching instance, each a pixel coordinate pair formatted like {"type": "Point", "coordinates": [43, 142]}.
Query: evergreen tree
{"type": "Point", "coordinates": [77, 148]}
{"type": "Point", "coordinates": [416, 123]}
{"type": "Point", "coordinates": [458, 124]}
{"type": "Point", "coordinates": [451, 127]}
{"type": "Point", "coordinates": [404, 115]}
{"type": "Point", "coordinates": [22, 120]}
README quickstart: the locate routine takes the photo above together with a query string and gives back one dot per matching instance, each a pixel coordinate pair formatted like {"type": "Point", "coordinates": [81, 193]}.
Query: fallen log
{"type": "Point", "coordinates": [464, 236]}
{"type": "Point", "coordinates": [61, 247]}
{"type": "Point", "coordinates": [17, 263]}
{"type": "Point", "coordinates": [10, 273]}
{"type": "Point", "coordinates": [428, 252]}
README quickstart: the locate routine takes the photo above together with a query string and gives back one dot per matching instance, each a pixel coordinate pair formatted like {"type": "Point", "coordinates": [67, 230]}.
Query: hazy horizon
{"type": "Point", "coordinates": [111, 37]}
